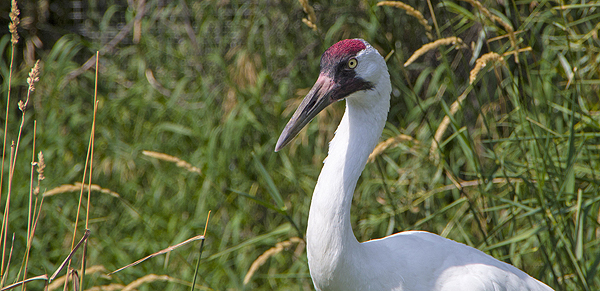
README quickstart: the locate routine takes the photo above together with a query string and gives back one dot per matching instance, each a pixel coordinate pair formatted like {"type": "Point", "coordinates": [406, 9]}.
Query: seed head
{"type": "Point", "coordinates": [34, 75]}
{"type": "Point", "coordinates": [14, 22]}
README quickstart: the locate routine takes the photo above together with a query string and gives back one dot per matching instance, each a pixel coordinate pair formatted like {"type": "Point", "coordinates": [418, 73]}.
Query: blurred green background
{"type": "Point", "coordinates": [213, 83]}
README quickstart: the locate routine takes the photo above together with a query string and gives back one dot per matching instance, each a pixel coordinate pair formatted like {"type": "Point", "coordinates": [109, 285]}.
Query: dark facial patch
{"type": "Point", "coordinates": [334, 64]}
{"type": "Point", "coordinates": [347, 86]}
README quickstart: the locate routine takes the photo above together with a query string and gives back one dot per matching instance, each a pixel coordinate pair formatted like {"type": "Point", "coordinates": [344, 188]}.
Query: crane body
{"type": "Point", "coordinates": [411, 260]}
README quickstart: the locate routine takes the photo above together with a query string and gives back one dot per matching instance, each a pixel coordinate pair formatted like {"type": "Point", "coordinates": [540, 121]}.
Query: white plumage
{"type": "Point", "coordinates": [410, 260]}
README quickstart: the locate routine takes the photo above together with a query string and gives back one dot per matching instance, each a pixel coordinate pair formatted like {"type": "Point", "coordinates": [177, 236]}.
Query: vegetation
{"type": "Point", "coordinates": [492, 137]}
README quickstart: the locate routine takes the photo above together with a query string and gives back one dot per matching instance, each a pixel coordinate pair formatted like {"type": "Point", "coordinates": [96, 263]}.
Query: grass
{"type": "Point", "coordinates": [503, 156]}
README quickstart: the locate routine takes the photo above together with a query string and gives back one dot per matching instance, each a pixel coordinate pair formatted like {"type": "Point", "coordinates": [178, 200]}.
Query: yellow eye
{"type": "Point", "coordinates": [352, 63]}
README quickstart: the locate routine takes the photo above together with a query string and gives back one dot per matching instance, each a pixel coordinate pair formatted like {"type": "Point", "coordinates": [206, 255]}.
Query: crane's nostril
{"type": "Point", "coordinates": [310, 105]}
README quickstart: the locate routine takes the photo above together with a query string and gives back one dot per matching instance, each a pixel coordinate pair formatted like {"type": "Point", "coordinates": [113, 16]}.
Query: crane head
{"type": "Point", "coordinates": [347, 67]}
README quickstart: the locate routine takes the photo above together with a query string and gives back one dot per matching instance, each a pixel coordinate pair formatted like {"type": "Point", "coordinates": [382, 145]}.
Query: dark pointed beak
{"type": "Point", "coordinates": [319, 97]}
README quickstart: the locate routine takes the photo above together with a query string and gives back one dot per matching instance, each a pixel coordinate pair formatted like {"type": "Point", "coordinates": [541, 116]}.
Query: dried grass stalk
{"type": "Point", "coordinates": [200, 251]}
{"type": "Point", "coordinates": [17, 284]}
{"type": "Point", "coordinates": [410, 11]}
{"type": "Point", "coordinates": [439, 133]}
{"type": "Point", "coordinates": [77, 187]}
{"type": "Point", "coordinates": [280, 246]}
{"type": "Point", "coordinates": [31, 222]}
{"type": "Point", "coordinates": [482, 62]}
{"type": "Point", "coordinates": [150, 278]}
{"type": "Point", "coordinates": [156, 84]}
{"type": "Point", "coordinates": [86, 234]}
{"type": "Point", "coordinates": [179, 162]}
{"type": "Point", "coordinates": [525, 49]}
{"type": "Point", "coordinates": [432, 45]}
{"type": "Point", "coordinates": [392, 141]}
{"type": "Point", "coordinates": [163, 251]}
{"type": "Point", "coordinates": [58, 282]}
{"type": "Point", "coordinates": [109, 287]}
{"type": "Point", "coordinates": [472, 183]}
{"type": "Point", "coordinates": [33, 77]}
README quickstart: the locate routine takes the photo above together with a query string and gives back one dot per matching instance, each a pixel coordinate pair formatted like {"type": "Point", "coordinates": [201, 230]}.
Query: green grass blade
{"type": "Point", "coordinates": [272, 189]}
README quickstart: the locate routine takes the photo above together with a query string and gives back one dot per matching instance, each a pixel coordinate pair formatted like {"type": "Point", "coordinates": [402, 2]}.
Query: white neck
{"type": "Point", "coordinates": [332, 245]}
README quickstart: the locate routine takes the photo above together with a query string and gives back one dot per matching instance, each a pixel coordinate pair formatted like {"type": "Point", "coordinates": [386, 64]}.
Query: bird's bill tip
{"type": "Point", "coordinates": [281, 142]}
{"type": "Point", "coordinates": [315, 101]}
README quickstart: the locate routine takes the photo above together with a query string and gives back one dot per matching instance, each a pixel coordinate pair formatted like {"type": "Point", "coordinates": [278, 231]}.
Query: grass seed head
{"type": "Point", "coordinates": [280, 246]}
{"type": "Point", "coordinates": [432, 45]}
{"type": "Point", "coordinates": [34, 75]}
{"type": "Point", "coordinates": [22, 105]}
{"type": "Point", "coordinates": [41, 164]}
{"type": "Point", "coordinates": [392, 141]}
{"type": "Point", "coordinates": [309, 24]}
{"type": "Point", "coordinates": [410, 11]}
{"type": "Point", "coordinates": [310, 12]}
{"type": "Point", "coordinates": [14, 22]}
{"type": "Point", "coordinates": [482, 62]}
